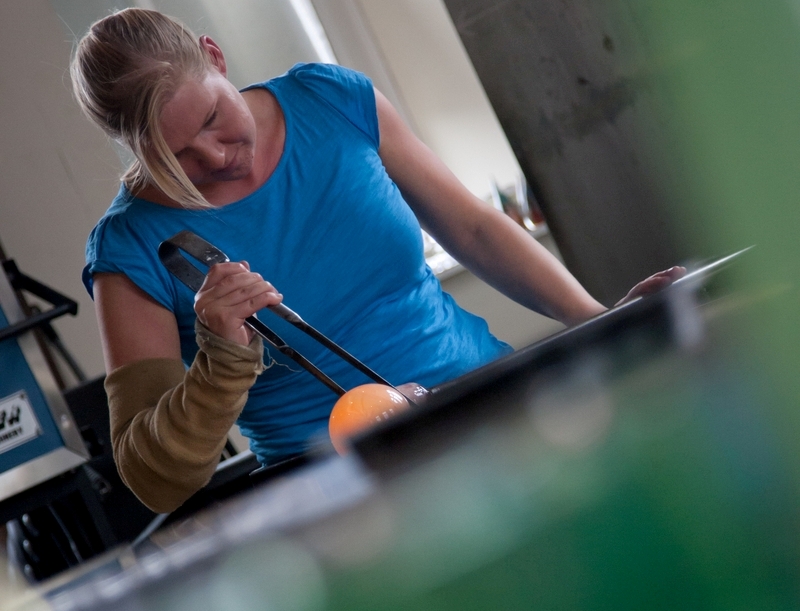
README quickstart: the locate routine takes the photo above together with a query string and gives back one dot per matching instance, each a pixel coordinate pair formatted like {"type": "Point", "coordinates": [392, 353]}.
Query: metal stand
{"type": "Point", "coordinates": [37, 320]}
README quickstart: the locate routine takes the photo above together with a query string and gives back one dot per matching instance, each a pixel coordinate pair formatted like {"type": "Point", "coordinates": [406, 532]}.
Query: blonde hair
{"type": "Point", "coordinates": [124, 70]}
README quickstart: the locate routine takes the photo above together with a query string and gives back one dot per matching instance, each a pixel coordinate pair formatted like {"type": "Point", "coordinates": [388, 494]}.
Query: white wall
{"type": "Point", "coordinates": [425, 71]}
{"type": "Point", "coordinates": [443, 95]}
{"type": "Point", "coordinates": [57, 173]}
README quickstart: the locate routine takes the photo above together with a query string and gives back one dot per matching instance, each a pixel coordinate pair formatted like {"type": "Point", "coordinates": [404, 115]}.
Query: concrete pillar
{"type": "Point", "coordinates": [570, 86]}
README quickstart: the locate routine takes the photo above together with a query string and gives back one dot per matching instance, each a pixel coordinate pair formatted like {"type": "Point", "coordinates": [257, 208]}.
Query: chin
{"type": "Point", "coordinates": [238, 172]}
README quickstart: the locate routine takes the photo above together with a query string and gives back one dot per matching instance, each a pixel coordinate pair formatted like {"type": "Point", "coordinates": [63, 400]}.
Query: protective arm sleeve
{"type": "Point", "coordinates": [169, 424]}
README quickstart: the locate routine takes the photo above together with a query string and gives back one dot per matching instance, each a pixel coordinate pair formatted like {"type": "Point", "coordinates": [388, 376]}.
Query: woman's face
{"type": "Point", "coordinates": [210, 130]}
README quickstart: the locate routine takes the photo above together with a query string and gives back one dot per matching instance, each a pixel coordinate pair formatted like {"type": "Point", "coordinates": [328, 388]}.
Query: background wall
{"type": "Point", "coordinates": [444, 98]}
{"type": "Point", "coordinates": [58, 173]}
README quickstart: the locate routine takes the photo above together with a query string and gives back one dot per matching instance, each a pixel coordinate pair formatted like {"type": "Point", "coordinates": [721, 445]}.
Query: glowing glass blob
{"type": "Point", "coordinates": [361, 408]}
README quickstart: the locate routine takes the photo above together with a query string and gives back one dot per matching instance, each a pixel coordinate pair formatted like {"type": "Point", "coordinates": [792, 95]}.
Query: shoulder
{"type": "Point", "coordinates": [111, 220]}
{"type": "Point", "coordinates": [346, 90]}
{"type": "Point", "coordinates": [124, 240]}
{"type": "Point", "coordinates": [317, 77]}
{"type": "Point", "coordinates": [328, 75]}
{"type": "Point", "coordinates": [349, 92]}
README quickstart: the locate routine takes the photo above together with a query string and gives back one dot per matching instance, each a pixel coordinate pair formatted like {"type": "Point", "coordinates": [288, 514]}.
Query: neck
{"type": "Point", "coordinates": [270, 133]}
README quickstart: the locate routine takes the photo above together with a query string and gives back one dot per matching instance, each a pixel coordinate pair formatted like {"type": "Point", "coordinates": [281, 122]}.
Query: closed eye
{"type": "Point", "coordinates": [206, 125]}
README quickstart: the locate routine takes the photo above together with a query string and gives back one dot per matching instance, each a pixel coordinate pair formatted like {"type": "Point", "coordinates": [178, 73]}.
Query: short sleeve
{"type": "Point", "coordinates": [349, 92]}
{"type": "Point", "coordinates": [115, 247]}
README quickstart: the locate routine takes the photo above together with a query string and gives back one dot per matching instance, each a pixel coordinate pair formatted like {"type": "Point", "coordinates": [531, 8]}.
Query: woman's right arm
{"type": "Point", "coordinates": [133, 326]}
{"type": "Point", "coordinates": [169, 424]}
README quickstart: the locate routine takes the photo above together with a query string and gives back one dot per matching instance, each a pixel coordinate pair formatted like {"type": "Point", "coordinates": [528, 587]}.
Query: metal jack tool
{"type": "Point", "coordinates": [171, 254]}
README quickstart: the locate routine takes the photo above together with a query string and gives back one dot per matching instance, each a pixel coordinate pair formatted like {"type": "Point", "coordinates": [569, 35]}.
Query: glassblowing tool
{"type": "Point", "coordinates": [171, 252]}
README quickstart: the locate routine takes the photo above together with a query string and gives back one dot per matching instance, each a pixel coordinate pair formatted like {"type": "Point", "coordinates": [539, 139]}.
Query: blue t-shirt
{"type": "Point", "coordinates": [331, 231]}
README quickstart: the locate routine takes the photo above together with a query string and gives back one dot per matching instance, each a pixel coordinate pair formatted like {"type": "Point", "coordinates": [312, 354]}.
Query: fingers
{"type": "Point", "coordinates": [664, 278]}
{"type": "Point", "coordinates": [654, 283]}
{"type": "Point", "coordinates": [676, 272]}
{"type": "Point", "coordinates": [235, 284]}
{"type": "Point", "coordinates": [672, 274]}
{"type": "Point", "coordinates": [230, 294]}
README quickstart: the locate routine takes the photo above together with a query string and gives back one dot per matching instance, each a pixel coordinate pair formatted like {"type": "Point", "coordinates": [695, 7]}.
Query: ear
{"type": "Point", "coordinates": [215, 54]}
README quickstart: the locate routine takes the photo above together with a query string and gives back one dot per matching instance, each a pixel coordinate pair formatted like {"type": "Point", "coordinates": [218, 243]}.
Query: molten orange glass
{"type": "Point", "coordinates": [361, 408]}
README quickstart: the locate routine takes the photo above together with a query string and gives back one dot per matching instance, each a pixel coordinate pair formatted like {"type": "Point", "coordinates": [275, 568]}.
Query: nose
{"type": "Point", "coordinates": [211, 154]}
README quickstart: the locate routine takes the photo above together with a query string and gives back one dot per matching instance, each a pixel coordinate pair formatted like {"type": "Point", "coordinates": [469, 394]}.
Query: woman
{"type": "Point", "coordinates": [314, 179]}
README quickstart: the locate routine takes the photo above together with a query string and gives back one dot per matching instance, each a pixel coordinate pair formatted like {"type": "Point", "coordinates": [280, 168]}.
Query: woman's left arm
{"type": "Point", "coordinates": [484, 240]}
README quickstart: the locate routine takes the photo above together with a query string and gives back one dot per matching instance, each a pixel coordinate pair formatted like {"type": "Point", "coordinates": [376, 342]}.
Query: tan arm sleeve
{"type": "Point", "coordinates": [169, 425]}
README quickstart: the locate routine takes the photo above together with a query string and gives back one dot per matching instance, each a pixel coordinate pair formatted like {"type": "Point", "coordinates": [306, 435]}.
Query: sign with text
{"type": "Point", "coordinates": [18, 423]}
